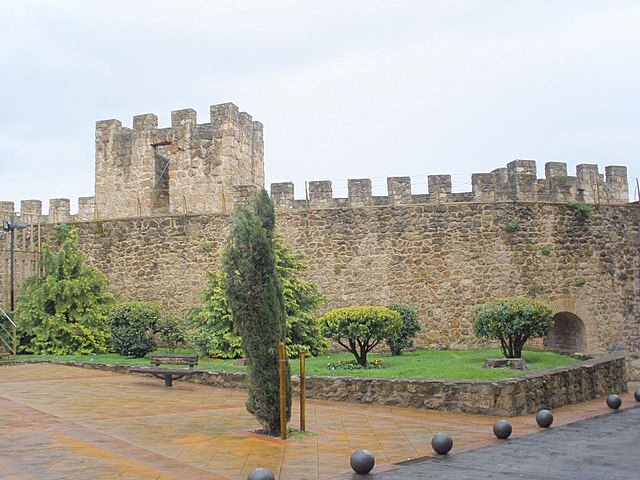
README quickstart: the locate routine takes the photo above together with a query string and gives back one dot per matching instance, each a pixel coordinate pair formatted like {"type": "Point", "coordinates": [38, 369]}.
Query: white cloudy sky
{"type": "Point", "coordinates": [346, 89]}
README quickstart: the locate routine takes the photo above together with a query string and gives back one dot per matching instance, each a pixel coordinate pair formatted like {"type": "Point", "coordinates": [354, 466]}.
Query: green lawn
{"type": "Point", "coordinates": [452, 364]}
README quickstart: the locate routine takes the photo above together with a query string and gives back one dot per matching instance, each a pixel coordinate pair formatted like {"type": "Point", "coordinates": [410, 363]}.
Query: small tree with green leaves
{"type": "Point", "coordinates": [254, 293]}
{"type": "Point", "coordinates": [360, 329]}
{"type": "Point", "coordinates": [133, 325]}
{"type": "Point", "coordinates": [214, 335]}
{"type": "Point", "coordinates": [513, 321]}
{"type": "Point", "coordinates": [64, 312]}
{"type": "Point", "coordinates": [171, 332]}
{"type": "Point", "coordinates": [403, 338]}
{"type": "Point", "coordinates": [212, 331]}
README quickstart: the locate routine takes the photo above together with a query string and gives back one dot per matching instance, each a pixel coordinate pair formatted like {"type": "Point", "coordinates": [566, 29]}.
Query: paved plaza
{"type": "Point", "coordinates": [61, 422]}
{"type": "Point", "coordinates": [599, 448]}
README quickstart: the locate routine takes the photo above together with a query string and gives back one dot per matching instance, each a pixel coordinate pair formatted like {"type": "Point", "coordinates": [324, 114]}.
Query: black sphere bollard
{"type": "Point", "coordinates": [502, 429]}
{"type": "Point", "coordinates": [614, 401]}
{"type": "Point", "coordinates": [544, 418]}
{"type": "Point", "coordinates": [362, 461]}
{"type": "Point", "coordinates": [442, 443]}
{"type": "Point", "coordinates": [636, 394]}
{"type": "Point", "coordinates": [261, 474]}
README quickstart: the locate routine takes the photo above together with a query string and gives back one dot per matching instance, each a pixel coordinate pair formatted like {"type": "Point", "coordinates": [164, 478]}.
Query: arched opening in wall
{"type": "Point", "coordinates": [567, 335]}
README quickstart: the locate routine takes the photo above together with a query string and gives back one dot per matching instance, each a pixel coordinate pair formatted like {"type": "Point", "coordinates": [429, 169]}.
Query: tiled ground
{"type": "Point", "coordinates": [61, 422]}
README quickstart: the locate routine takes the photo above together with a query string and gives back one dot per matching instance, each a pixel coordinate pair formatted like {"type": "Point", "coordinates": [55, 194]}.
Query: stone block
{"type": "Point", "coordinates": [359, 192]}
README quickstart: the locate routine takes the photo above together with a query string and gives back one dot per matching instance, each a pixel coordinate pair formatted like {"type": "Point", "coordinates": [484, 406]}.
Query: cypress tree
{"type": "Point", "coordinates": [256, 300]}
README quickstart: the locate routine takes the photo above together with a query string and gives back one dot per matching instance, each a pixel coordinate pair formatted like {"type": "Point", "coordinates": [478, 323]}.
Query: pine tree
{"type": "Point", "coordinates": [64, 312]}
{"type": "Point", "coordinates": [254, 293]}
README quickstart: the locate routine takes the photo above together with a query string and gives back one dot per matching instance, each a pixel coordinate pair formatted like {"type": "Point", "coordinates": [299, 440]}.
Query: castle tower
{"type": "Point", "coordinates": [187, 168]}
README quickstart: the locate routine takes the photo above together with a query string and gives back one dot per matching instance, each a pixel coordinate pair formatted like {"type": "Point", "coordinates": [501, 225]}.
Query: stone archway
{"type": "Point", "coordinates": [567, 335]}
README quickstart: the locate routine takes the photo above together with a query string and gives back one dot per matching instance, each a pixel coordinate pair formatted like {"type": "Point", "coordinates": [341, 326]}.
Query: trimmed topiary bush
{"type": "Point", "coordinates": [132, 327]}
{"type": "Point", "coordinates": [410, 327]}
{"type": "Point", "coordinates": [360, 329]}
{"type": "Point", "coordinates": [513, 321]}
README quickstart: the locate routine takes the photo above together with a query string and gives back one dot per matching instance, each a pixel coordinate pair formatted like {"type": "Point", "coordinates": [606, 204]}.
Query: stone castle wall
{"type": "Point", "coordinates": [187, 168]}
{"type": "Point", "coordinates": [163, 207]}
{"type": "Point", "coordinates": [443, 259]}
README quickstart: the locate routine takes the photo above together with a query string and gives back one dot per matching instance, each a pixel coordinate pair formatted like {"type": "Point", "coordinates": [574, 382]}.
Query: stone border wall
{"type": "Point", "coordinates": [520, 395]}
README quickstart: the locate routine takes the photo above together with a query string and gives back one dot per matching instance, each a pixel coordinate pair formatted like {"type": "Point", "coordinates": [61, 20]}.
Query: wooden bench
{"type": "Point", "coordinates": [169, 374]}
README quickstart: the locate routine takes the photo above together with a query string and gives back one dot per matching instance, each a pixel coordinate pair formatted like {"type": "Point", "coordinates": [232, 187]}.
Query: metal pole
{"type": "Point", "coordinates": [283, 394]}
{"type": "Point", "coordinates": [303, 389]}
{"type": "Point", "coordinates": [15, 344]}
{"type": "Point", "coordinates": [11, 294]}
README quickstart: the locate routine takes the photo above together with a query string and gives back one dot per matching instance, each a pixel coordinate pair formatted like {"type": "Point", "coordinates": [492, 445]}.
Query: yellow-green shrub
{"type": "Point", "coordinates": [359, 329]}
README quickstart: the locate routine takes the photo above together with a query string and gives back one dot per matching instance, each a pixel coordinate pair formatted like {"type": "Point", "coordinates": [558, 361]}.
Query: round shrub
{"type": "Point", "coordinates": [360, 329]}
{"type": "Point", "coordinates": [132, 327]}
{"type": "Point", "coordinates": [513, 321]}
{"type": "Point", "coordinates": [171, 332]}
{"type": "Point", "coordinates": [410, 327]}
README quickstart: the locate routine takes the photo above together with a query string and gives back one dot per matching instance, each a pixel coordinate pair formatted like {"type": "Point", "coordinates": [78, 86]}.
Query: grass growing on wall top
{"type": "Point", "coordinates": [437, 364]}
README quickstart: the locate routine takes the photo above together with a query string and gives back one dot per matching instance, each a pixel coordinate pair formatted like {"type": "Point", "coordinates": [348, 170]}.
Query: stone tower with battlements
{"type": "Point", "coordinates": [189, 168]}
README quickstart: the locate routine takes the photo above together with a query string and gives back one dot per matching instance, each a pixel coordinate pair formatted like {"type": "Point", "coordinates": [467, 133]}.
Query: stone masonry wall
{"type": "Point", "coordinates": [442, 259]}
{"type": "Point", "coordinates": [187, 168]}
{"type": "Point", "coordinates": [520, 395]}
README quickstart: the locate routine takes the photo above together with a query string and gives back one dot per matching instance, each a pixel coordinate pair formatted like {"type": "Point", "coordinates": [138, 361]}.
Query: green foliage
{"type": "Point", "coordinates": [546, 250]}
{"type": "Point", "coordinates": [512, 225]}
{"type": "Point", "coordinates": [454, 364]}
{"type": "Point", "coordinates": [513, 321]}
{"type": "Point", "coordinates": [354, 365]}
{"type": "Point", "coordinates": [301, 299]}
{"type": "Point", "coordinates": [538, 289]}
{"type": "Point", "coordinates": [132, 327]}
{"type": "Point", "coordinates": [171, 332]}
{"type": "Point", "coordinates": [255, 295]}
{"type": "Point", "coordinates": [581, 281]}
{"type": "Point", "coordinates": [360, 329]}
{"type": "Point", "coordinates": [581, 211]}
{"type": "Point", "coordinates": [206, 246]}
{"type": "Point", "coordinates": [410, 327]}
{"type": "Point", "coordinates": [214, 335]}
{"type": "Point", "coordinates": [64, 311]}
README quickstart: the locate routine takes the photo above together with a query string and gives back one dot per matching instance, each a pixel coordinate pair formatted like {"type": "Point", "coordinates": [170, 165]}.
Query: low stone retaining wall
{"type": "Point", "coordinates": [520, 395]}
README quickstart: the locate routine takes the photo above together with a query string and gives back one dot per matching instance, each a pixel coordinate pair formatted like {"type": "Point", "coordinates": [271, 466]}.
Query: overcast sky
{"type": "Point", "coordinates": [345, 89]}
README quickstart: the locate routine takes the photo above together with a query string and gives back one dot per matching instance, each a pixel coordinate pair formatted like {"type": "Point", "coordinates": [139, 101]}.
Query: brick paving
{"type": "Point", "coordinates": [62, 422]}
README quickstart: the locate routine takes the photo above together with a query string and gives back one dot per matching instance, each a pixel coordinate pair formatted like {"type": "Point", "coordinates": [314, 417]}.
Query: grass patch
{"type": "Point", "coordinates": [438, 364]}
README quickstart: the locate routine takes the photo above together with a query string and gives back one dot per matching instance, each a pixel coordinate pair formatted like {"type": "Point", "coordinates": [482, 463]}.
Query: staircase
{"type": "Point", "coordinates": [8, 343]}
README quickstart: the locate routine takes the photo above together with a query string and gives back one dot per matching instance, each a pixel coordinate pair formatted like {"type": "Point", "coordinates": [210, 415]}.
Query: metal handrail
{"type": "Point", "coordinates": [7, 316]}
{"type": "Point", "coordinates": [13, 349]}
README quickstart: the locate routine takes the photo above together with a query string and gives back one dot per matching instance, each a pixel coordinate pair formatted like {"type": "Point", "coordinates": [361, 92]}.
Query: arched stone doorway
{"type": "Point", "coordinates": [567, 335]}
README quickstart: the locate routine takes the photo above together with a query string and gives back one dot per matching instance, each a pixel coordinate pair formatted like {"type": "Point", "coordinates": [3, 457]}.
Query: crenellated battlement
{"type": "Point", "coordinates": [517, 181]}
{"type": "Point", "coordinates": [60, 208]}
{"type": "Point", "coordinates": [185, 168]}
{"type": "Point", "coordinates": [206, 168]}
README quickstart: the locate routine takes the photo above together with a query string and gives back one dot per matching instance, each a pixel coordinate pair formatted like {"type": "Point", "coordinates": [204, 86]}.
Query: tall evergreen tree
{"type": "Point", "coordinates": [64, 312]}
{"type": "Point", "coordinates": [254, 293]}
{"type": "Point", "coordinates": [214, 335]}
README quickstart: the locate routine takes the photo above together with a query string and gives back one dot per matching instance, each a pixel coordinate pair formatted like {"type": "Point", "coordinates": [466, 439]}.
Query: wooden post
{"type": "Point", "coordinates": [283, 394]}
{"type": "Point", "coordinates": [303, 388]}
